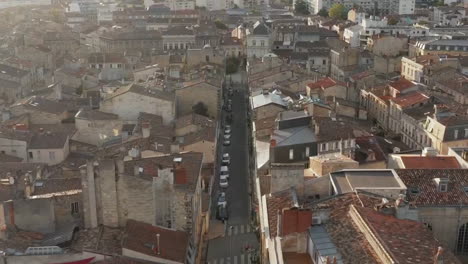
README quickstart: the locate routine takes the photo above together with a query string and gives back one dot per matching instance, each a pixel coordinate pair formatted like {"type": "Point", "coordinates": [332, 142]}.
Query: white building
{"type": "Point", "coordinates": [400, 7]}
{"type": "Point", "coordinates": [104, 12]}
{"type": "Point", "coordinates": [375, 25]}
{"type": "Point", "coordinates": [352, 35]}
{"type": "Point", "coordinates": [18, 3]}
{"type": "Point", "coordinates": [258, 41]}
{"type": "Point", "coordinates": [212, 5]}
{"type": "Point", "coordinates": [176, 5]}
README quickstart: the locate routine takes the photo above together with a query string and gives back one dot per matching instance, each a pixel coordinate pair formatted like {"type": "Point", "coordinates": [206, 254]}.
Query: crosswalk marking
{"type": "Point", "coordinates": [238, 229]}
{"type": "Point", "coordinates": [238, 259]}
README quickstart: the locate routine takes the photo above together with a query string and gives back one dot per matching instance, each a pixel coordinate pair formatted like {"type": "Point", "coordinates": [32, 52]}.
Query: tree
{"type": "Point", "coordinates": [200, 109]}
{"type": "Point", "coordinates": [323, 12]}
{"type": "Point", "coordinates": [232, 65]}
{"type": "Point", "coordinates": [301, 7]}
{"type": "Point", "coordinates": [220, 25]}
{"type": "Point", "coordinates": [338, 11]}
{"type": "Point", "coordinates": [392, 21]}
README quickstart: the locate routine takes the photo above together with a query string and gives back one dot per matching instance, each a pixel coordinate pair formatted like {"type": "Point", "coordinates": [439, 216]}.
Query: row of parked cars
{"type": "Point", "coordinates": [222, 212]}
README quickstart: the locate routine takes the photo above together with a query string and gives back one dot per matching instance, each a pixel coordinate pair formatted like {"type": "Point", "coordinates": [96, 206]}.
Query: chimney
{"type": "Point", "coordinates": [180, 173]}
{"type": "Point", "coordinates": [429, 152]}
{"type": "Point", "coordinates": [137, 170]}
{"type": "Point", "coordinates": [272, 143]}
{"type": "Point", "coordinates": [327, 261]}
{"type": "Point", "coordinates": [157, 244]}
{"type": "Point", "coordinates": [335, 261]}
{"type": "Point", "coordinates": [145, 129]}
{"type": "Point", "coordinates": [438, 256]}
{"type": "Point", "coordinates": [316, 128]}
{"type": "Point", "coordinates": [436, 111]}
{"type": "Point", "coordinates": [58, 91]}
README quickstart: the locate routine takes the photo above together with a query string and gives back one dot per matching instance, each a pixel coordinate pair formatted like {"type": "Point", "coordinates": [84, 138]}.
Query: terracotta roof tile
{"type": "Point", "coordinates": [426, 191]}
{"type": "Point", "coordinates": [406, 241]}
{"type": "Point", "coordinates": [324, 83]}
{"type": "Point", "coordinates": [410, 99]}
{"type": "Point", "coordinates": [276, 202]}
{"type": "Point", "coordinates": [401, 84]}
{"type": "Point", "coordinates": [140, 237]}
{"type": "Point", "coordinates": [439, 162]}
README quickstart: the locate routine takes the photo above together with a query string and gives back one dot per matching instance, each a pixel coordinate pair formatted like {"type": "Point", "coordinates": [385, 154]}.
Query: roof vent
{"type": "Point", "coordinates": [442, 184]}
{"type": "Point", "coordinates": [178, 160]}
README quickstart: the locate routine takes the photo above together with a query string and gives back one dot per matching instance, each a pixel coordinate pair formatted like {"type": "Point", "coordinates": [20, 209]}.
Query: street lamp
{"type": "Point", "coordinates": [230, 243]}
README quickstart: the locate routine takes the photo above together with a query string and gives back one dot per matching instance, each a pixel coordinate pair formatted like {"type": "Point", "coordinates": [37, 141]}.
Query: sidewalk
{"type": "Point", "coordinates": [216, 229]}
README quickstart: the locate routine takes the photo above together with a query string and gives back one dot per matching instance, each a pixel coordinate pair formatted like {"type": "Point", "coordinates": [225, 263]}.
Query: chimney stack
{"type": "Point", "coordinates": [157, 244]}
{"type": "Point", "coordinates": [438, 256]}
{"type": "Point", "coordinates": [145, 129]}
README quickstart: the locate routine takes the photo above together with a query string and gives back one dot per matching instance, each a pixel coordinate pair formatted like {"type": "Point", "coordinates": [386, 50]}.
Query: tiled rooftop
{"type": "Point", "coordinates": [406, 241]}
{"type": "Point", "coordinates": [401, 84]}
{"type": "Point", "coordinates": [276, 202]}
{"type": "Point", "coordinates": [426, 192]}
{"type": "Point", "coordinates": [140, 237]}
{"type": "Point", "coordinates": [410, 99]}
{"type": "Point", "coordinates": [436, 162]}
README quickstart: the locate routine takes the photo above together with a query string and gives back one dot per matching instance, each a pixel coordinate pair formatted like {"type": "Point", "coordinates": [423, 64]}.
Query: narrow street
{"type": "Point", "coordinates": [238, 232]}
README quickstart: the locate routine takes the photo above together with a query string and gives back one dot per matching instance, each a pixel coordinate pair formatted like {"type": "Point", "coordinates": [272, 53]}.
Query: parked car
{"type": "Point", "coordinates": [227, 136]}
{"type": "Point", "coordinates": [229, 108]}
{"type": "Point", "coordinates": [227, 127]}
{"type": "Point", "coordinates": [227, 131]}
{"type": "Point", "coordinates": [226, 161]}
{"type": "Point", "coordinates": [227, 142]}
{"type": "Point", "coordinates": [226, 156]}
{"type": "Point", "coordinates": [222, 213]}
{"type": "Point", "coordinates": [222, 199]}
{"type": "Point", "coordinates": [223, 182]}
{"type": "Point", "coordinates": [224, 170]}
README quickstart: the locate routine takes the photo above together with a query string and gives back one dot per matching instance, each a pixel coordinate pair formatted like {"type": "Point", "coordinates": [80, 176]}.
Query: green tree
{"type": "Point", "coordinates": [220, 25]}
{"type": "Point", "coordinates": [200, 109]}
{"type": "Point", "coordinates": [323, 12]}
{"type": "Point", "coordinates": [232, 65]}
{"type": "Point", "coordinates": [301, 7]}
{"type": "Point", "coordinates": [392, 21]}
{"type": "Point", "coordinates": [338, 11]}
{"type": "Point", "coordinates": [438, 3]}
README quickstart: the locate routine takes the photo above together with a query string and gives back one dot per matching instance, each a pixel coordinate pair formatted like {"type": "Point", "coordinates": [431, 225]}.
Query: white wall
{"type": "Point", "coordinates": [125, 107]}
{"type": "Point", "coordinates": [15, 148]}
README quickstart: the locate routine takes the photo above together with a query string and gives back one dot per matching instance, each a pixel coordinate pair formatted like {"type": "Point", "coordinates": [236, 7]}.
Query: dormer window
{"type": "Point", "coordinates": [442, 184]}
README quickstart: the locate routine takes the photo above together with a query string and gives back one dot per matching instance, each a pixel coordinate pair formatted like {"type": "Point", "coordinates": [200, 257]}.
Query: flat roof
{"type": "Point", "coordinates": [346, 181]}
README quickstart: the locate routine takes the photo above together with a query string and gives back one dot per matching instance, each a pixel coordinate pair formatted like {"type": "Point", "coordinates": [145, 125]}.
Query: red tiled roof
{"type": "Point", "coordinates": [401, 84]}
{"type": "Point", "coordinates": [324, 83]}
{"type": "Point", "coordinates": [361, 75]}
{"type": "Point", "coordinates": [440, 162]}
{"type": "Point", "coordinates": [406, 241]}
{"type": "Point", "coordinates": [295, 221]}
{"type": "Point", "coordinates": [172, 244]}
{"type": "Point", "coordinates": [410, 99]}
{"type": "Point", "coordinates": [428, 194]}
{"type": "Point", "coordinates": [276, 202]}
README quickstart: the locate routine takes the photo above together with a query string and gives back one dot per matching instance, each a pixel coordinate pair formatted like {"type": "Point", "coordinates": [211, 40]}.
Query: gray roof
{"type": "Point", "coordinates": [290, 114]}
{"type": "Point", "coordinates": [134, 88]}
{"type": "Point", "coordinates": [351, 180]}
{"type": "Point", "coordinates": [294, 136]}
{"type": "Point", "coordinates": [260, 29]}
{"type": "Point", "coordinates": [42, 104]}
{"type": "Point", "coordinates": [48, 140]}
{"type": "Point", "coordinates": [95, 115]}
{"type": "Point", "coordinates": [324, 245]}
{"type": "Point", "coordinates": [9, 84]}
{"type": "Point", "coordinates": [177, 31]}
{"type": "Point", "coordinates": [12, 71]}
{"type": "Point", "coordinates": [265, 99]}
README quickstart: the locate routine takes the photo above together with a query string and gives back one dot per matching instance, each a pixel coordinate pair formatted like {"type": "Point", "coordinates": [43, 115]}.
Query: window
{"type": "Point", "coordinates": [443, 187]}
{"type": "Point", "coordinates": [466, 132]}
{"type": "Point", "coordinates": [291, 154]}
{"type": "Point", "coordinates": [31, 155]}
{"type": "Point", "coordinates": [462, 240]}
{"type": "Point", "coordinates": [262, 43]}
{"type": "Point", "coordinates": [307, 151]}
{"type": "Point", "coordinates": [455, 134]}
{"type": "Point", "coordinates": [254, 42]}
{"type": "Point", "coordinates": [75, 209]}
{"type": "Point", "coordinates": [51, 155]}
{"type": "Point", "coordinates": [313, 62]}
{"type": "Point", "coordinates": [337, 145]}
{"type": "Point", "coordinates": [323, 146]}
{"type": "Point", "coordinates": [324, 62]}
